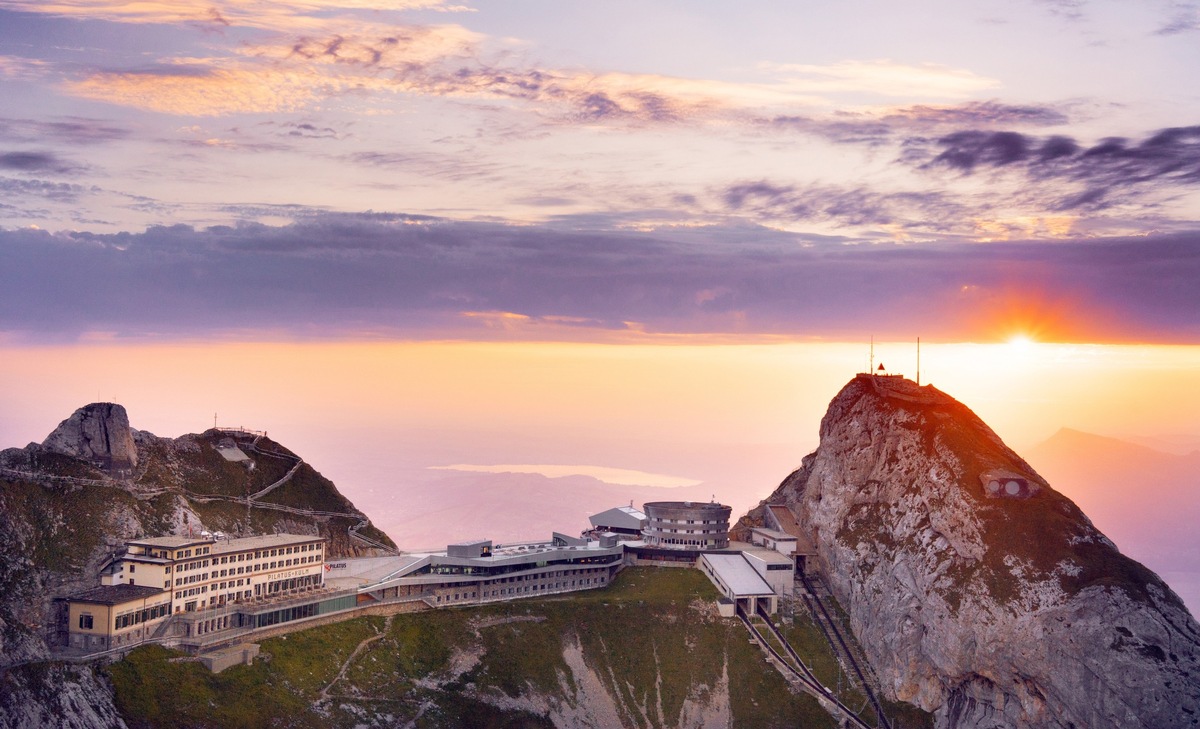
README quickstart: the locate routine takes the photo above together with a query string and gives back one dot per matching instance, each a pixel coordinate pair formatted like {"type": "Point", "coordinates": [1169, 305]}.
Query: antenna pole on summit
{"type": "Point", "coordinates": [871, 366]}
{"type": "Point", "coordinates": [918, 361]}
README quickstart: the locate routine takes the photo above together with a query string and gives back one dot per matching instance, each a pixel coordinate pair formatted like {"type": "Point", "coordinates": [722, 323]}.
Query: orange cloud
{"type": "Point", "coordinates": [20, 68]}
{"type": "Point", "coordinates": [313, 49]}
{"type": "Point", "coordinates": [263, 14]}
{"type": "Point", "coordinates": [883, 77]}
{"type": "Point", "coordinates": [211, 92]}
{"type": "Point", "coordinates": [1025, 227]}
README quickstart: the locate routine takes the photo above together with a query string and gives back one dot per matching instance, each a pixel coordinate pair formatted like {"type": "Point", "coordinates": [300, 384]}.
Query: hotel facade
{"type": "Point", "coordinates": [203, 580]}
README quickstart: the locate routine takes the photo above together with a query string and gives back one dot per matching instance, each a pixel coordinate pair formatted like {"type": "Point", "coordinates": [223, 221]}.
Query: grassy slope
{"type": "Point", "coordinates": [644, 636]}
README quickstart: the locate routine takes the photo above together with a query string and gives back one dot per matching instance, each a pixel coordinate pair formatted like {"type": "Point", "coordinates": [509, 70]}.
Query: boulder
{"type": "Point", "coordinates": [99, 433]}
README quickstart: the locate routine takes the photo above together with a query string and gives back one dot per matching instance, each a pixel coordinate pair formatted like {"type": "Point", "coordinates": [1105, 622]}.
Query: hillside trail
{"type": "Point", "coordinates": [362, 646]}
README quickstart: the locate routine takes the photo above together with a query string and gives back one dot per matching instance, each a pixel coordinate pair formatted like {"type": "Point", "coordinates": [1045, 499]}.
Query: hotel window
{"type": "Point", "coordinates": [85, 621]}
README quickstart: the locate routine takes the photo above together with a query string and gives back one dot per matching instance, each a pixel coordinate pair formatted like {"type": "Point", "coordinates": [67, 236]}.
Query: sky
{"type": "Point", "coordinates": [607, 237]}
{"type": "Point", "coordinates": [419, 169]}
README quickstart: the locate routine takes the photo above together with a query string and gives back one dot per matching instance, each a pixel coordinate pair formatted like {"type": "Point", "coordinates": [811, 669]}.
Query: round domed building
{"type": "Point", "coordinates": [686, 525]}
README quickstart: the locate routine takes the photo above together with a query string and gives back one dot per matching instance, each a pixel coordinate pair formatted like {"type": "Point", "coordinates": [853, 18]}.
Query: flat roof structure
{"type": "Point", "coordinates": [470, 548]}
{"type": "Point", "coordinates": [433, 567]}
{"type": "Point", "coordinates": [269, 541]}
{"type": "Point", "coordinates": [170, 542]}
{"type": "Point", "coordinates": [770, 556]}
{"type": "Point", "coordinates": [347, 573]}
{"type": "Point", "coordinates": [219, 546]}
{"type": "Point", "coordinates": [737, 574]}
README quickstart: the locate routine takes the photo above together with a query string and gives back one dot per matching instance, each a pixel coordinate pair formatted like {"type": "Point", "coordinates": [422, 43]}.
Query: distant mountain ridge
{"type": "Point", "coordinates": [1146, 500]}
{"type": "Point", "coordinates": [1113, 450]}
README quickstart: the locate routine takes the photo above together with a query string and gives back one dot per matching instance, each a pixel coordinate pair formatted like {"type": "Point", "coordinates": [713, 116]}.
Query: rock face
{"type": "Point", "coordinates": [58, 695]}
{"type": "Point", "coordinates": [98, 433]}
{"type": "Point", "coordinates": [977, 591]}
{"type": "Point", "coordinates": [68, 504]}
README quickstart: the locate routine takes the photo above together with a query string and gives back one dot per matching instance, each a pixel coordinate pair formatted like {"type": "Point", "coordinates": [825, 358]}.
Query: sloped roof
{"type": "Point", "coordinates": [621, 517]}
{"type": "Point", "coordinates": [787, 523]}
{"type": "Point", "coordinates": [115, 594]}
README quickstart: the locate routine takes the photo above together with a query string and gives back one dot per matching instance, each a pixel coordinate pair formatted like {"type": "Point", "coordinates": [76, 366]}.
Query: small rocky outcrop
{"type": "Point", "coordinates": [977, 591]}
{"type": "Point", "coordinates": [98, 433]}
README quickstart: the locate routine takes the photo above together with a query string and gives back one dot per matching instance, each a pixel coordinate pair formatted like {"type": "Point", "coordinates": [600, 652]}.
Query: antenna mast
{"type": "Point", "coordinates": [918, 361]}
{"type": "Point", "coordinates": [871, 366]}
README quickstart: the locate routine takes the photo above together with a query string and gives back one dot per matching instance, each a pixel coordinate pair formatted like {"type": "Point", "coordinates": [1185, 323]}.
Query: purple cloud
{"type": "Point", "coordinates": [412, 276]}
{"type": "Point", "coordinates": [1166, 158]}
{"type": "Point", "coordinates": [35, 162]}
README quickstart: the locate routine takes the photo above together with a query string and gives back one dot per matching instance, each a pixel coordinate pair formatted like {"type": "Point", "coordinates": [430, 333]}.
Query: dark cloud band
{"type": "Point", "coordinates": [406, 276]}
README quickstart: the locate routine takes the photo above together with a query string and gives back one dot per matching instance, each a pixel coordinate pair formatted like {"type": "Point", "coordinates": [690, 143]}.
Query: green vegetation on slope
{"type": "Point", "coordinates": [650, 642]}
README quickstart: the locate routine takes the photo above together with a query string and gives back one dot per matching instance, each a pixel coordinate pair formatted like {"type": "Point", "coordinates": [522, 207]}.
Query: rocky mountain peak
{"type": "Point", "coordinates": [99, 433]}
{"type": "Point", "coordinates": [978, 591]}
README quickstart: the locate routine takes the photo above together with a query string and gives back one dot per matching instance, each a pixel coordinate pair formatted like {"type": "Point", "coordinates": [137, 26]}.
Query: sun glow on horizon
{"type": "Point", "coordinates": [1021, 344]}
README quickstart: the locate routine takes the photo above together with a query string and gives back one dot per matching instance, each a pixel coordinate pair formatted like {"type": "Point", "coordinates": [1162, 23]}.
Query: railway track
{"type": "Point", "coordinates": [800, 672]}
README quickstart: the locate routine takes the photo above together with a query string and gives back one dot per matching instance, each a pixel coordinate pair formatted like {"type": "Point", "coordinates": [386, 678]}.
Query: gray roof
{"type": "Point", "coordinates": [774, 534]}
{"type": "Point", "coordinates": [736, 572]}
{"type": "Point", "coordinates": [267, 541]}
{"type": "Point", "coordinates": [473, 543]}
{"type": "Point", "coordinates": [115, 594]}
{"type": "Point", "coordinates": [224, 546]}
{"type": "Point", "coordinates": [171, 542]}
{"type": "Point", "coordinates": [766, 554]}
{"type": "Point", "coordinates": [233, 453]}
{"type": "Point", "coordinates": [621, 517]}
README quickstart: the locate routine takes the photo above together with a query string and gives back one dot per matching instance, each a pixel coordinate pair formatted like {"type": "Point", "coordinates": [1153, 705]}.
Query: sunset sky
{"type": "Point", "coordinates": [651, 236]}
{"type": "Point", "coordinates": [600, 171]}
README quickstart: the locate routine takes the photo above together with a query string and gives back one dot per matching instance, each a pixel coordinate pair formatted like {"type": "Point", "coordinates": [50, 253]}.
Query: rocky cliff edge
{"type": "Point", "coordinates": [978, 591]}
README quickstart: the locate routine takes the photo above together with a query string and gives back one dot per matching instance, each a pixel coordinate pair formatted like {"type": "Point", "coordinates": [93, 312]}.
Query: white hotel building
{"type": "Point", "coordinates": [212, 585]}
{"type": "Point", "coordinates": [205, 572]}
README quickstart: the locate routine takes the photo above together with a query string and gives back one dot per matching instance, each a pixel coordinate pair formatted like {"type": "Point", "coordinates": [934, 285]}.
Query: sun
{"type": "Point", "coordinates": [1021, 343]}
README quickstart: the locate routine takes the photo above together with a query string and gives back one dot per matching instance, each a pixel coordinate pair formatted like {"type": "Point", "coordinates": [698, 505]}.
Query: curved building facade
{"type": "Point", "coordinates": [686, 525]}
